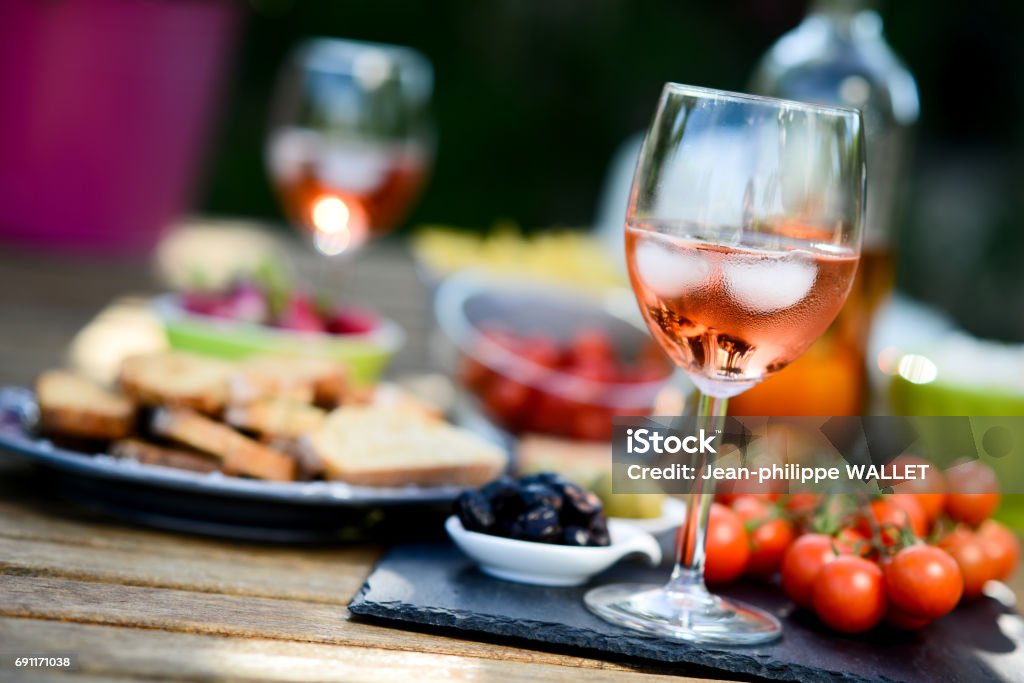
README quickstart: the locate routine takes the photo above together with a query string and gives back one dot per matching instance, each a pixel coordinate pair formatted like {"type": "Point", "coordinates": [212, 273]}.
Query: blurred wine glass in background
{"type": "Point", "coordinates": [350, 140]}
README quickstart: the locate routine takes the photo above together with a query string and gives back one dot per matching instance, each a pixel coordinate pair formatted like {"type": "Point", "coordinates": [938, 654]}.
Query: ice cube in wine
{"type": "Point", "coordinates": [731, 315]}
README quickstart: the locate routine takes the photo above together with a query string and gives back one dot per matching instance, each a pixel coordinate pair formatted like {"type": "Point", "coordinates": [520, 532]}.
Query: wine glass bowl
{"type": "Point", "coordinates": [350, 139]}
{"type": "Point", "coordinates": [742, 238]}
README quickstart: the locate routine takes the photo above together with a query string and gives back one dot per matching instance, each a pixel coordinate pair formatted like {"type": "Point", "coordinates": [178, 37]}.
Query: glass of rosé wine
{"type": "Point", "coordinates": [742, 240]}
{"type": "Point", "coordinates": [350, 139]}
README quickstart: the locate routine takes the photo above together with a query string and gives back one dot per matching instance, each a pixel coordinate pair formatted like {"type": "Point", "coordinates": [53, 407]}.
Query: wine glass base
{"type": "Point", "coordinates": [692, 615]}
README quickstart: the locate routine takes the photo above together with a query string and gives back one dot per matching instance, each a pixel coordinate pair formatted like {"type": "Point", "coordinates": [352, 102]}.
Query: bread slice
{"type": "Point", "coordinates": [165, 456]}
{"type": "Point", "coordinates": [75, 406]}
{"type": "Point", "coordinates": [308, 465]}
{"type": "Point", "coordinates": [302, 378]}
{"type": "Point", "coordinates": [377, 446]}
{"type": "Point", "coordinates": [175, 378]}
{"type": "Point", "coordinates": [390, 395]}
{"type": "Point", "coordinates": [238, 454]}
{"type": "Point", "coordinates": [276, 418]}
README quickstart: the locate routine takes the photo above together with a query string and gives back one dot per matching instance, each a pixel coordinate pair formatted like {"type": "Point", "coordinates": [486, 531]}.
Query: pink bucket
{"type": "Point", "coordinates": [105, 109]}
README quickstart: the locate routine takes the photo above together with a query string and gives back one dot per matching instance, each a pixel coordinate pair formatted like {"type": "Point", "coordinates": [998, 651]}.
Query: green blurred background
{"type": "Point", "coordinates": [533, 97]}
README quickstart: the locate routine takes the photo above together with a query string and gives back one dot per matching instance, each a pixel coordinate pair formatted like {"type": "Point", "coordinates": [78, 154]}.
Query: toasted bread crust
{"type": "Point", "coordinates": [309, 466]}
{"type": "Point", "coordinates": [72, 405]}
{"type": "Point", "coordinates": [441, 475]}
{"type": "Point", "coordinates": [309, 379]}
{"type": "Point", "coordinates": [383, 446]}
{"type": "Point", "coordinates": [239, 454]}
{"type": "Point", "coordinates": [154, 454]}
{"type": "Point", "coordinates": [177, 379]}
{"type": "Point", "coordinates": [268, 417]}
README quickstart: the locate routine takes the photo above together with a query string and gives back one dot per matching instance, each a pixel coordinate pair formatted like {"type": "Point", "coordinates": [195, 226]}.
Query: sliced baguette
{"type": "Point", "coordinates": [165, 456]}
{"type": "Point", "coordinates": [239, 454]}
{"type": "Point", "coordinates": [74, 406]}
{"type": "Point", "coordinates": [303, 378]}
{"type": "Point", "coordinates": [177, 379]}
{"type": "Point", "coordinates": [377, 446]}
{"type": "Point", "coordinates": [390, 395]}
{"type": "Point", "coordinates": [276, 418]}
{"type": "Point", "coordinates": [308, 464]}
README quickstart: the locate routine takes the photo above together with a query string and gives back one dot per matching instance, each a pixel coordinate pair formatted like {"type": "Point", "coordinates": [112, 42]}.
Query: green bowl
{"type": "Point", "coordinates": [365, 355]}
{"type": "Point", "coordinates": [940, 398]}
{"type": "Point", "coordinates": [977, 402]}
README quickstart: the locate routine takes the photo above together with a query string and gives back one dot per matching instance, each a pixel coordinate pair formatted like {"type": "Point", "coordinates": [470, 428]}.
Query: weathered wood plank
{"type": "Point", "coordinates": [332, 584]}
{"type": "Point", "coordinates": [123, 652]}
{"type": "Point", "coordinates": [57, 676]}
{"type": "Point", "coordinates": [223, 615]}
{"type": "Point", "coordinates": [42, 520]}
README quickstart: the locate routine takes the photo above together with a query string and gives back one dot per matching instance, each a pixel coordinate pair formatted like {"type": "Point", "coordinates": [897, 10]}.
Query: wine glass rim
{"type": "Point", "coordinates": [731, 96]}
{"type": "Point", "coordinates": [331, 48]}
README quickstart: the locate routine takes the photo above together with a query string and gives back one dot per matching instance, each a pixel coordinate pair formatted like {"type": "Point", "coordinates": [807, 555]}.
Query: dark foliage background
{"type": "Point", "coordinates": [533, 96]}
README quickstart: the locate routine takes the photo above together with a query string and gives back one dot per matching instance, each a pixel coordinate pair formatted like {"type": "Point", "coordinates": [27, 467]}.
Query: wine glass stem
{"type": "Point", "coordinates": [689, 570]}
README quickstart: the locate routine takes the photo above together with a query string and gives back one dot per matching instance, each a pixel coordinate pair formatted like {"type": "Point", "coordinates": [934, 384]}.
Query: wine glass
{"type": "Point", "coordinates": [350, 139]}
{"type": "Point", "coordinates": [742, 240]}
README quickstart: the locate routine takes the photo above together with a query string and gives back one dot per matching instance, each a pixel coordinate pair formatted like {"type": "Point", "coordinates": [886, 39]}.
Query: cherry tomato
{"type": "Point", "coordinates": [726, 546]}
{"type": "Point", "coordinates": [475, 375]}
{"type": "Point", "coordinates": [891, 513]}
{"type": "Point", "coordinates": [849, 595]}
{"type": "Point", "coordinates": [551, 414]}
{"type": "Point", "coordinates": [597, 371]}
{"type": "Point", "coordinates": [507, 400]}
{"type": "Point", "coordinates": [1002, 547]}
{"type": "Point", "coordinates": [802, 504]}
{"type": "Point", "coordinates": [976, 566]}
{"type": "Point", "coordinates": [929, 491]}
{"type": "Point", "coordinates": [801, 564]}
{"type": "Point", "coordinates": [542, 352]}
{"type": "Point", "coordinates": [903, 621]}
{"type": "Point", "coordinates": [973, 492]}
{"type": "Point", "coordinates": [850, 541]}
{"type": "Point", "coordinates": [770, 535]}
{"type": "Point", "coordinates": [923, 582]}
{"type": "Point", "coordinates": [591, 423]}
{"type": "Point", "coordinates": [915, 514]}
{"type": "Point", "coordinates": [592, 346]}
{"type": "Point", "coordinates": [731, 490]}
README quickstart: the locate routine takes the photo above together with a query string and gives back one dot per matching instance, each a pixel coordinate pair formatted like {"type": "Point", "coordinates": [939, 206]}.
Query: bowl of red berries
{"type": "Point", "coordinates": [536, 358]}
{"type": "Point", "coordinates": [251, 316]}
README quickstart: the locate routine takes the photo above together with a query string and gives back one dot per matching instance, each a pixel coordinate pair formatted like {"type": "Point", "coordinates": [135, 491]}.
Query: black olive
{"type": "Point", "coordinates": [579, 505]}
{"type": "Point", "coordinates": [553, 479]}
{"type": "Point", "coordinates": [503, 495]}
{"type": "Point", "coordinates": [498, 486]}
{"type": "Point", "coordinates": [475, 512]}
{"type": "Point", "coordinates": [535, 495]}
{"type": "Point", "coordinates": [576, 535]}
{"type": "Point", "coordinates": [598, 529]}
{"type": "Point", "coordinates": [539, 524]}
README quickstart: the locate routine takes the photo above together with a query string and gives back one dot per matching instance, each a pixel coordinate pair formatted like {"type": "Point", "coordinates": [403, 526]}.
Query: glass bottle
{"type": "Point", "coordinates": [838, 55]}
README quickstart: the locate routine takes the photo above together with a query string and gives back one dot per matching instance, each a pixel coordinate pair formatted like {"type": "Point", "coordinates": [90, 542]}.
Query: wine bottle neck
{"type": "Point", "coordinates": [854, 20]}
{"type": "Point", "coordinates": [842, 7]}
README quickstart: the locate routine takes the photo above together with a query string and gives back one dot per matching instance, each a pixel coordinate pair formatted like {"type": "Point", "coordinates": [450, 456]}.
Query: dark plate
{"type": "Point", "coordinates": [216, 504]}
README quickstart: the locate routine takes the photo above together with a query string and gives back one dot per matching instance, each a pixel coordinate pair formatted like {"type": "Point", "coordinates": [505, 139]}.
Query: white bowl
{"type": "Point", "coordinates": [547, 564]}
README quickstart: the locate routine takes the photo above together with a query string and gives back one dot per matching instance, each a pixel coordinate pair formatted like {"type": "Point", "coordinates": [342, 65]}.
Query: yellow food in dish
{"type": "Point", "coordinates": [561, 256]}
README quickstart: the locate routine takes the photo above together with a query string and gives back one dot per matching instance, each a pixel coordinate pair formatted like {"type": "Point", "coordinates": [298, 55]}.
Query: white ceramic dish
{"type": "Point", "coordinates": [546, 564]}
{"type": "Point", "coordinates": [673, 512]}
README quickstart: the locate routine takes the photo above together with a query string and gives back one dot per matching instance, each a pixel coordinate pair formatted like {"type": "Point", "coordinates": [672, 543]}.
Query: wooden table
{"type": "Point", "coordinates": [136, 604]}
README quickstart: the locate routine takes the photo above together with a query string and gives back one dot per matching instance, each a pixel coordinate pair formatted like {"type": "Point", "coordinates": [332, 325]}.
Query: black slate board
{"type": "Point", "coordinates": [436, 586]}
